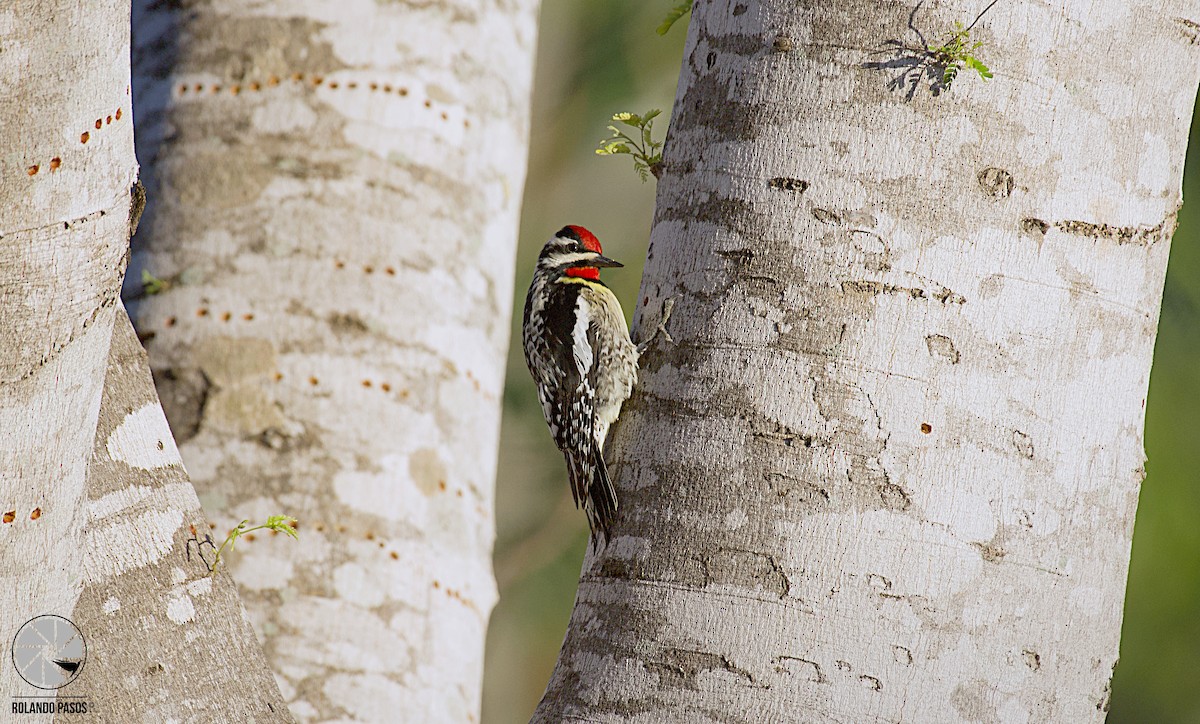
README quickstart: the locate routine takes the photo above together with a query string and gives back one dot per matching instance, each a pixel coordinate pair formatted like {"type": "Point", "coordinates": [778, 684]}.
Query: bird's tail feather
{"type": "Point", "coordinates": [592, 488]}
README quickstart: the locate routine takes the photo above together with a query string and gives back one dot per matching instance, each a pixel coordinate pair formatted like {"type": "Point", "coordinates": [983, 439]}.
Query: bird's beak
{"type": "Point", "coordinates": [603, 261]}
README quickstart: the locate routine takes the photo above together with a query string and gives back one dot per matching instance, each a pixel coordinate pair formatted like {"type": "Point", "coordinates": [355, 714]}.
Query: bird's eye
{"type": "Point", "coordinates": [578, 249]}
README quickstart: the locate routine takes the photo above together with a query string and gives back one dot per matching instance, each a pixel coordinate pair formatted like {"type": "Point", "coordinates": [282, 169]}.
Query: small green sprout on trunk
{"type": "Point", "coordinates": [646, 152]}
{"type": "Point", "coordinates": [959, 53]}
{"type": "Point", "coordinates": [938, 66]}
{"type": "Point", "coordinates": [152, 284]}
{"type": "Point", "coordinates": [280, 523]}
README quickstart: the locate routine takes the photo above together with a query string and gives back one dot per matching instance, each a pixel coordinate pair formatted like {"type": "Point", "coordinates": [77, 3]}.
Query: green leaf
{"type": "Point", "coordinates": [152, 284]}
{"type": "Point", "coordinates": [674, 14]}
{"type": "Point", "coordinates": [949, 74]}
{"type": "Point", "coordinates": [641, 146]}
{"type": "Point", "coordinates": [975, 64]}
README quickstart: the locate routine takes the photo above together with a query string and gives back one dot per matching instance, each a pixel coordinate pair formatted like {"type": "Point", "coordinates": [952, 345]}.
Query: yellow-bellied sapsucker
{"type": "Point", "coordinates": [582, 360]}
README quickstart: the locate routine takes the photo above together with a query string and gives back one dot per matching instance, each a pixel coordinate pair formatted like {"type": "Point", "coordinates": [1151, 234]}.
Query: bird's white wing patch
{"type": "Point", "coordinates": [579, 344]}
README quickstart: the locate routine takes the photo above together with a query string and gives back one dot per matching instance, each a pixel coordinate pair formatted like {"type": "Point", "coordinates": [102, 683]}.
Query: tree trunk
{"type": "Point", "coordinates": [64, 224]}
{"type": "Point", "coordinates": [100, 542]}
{"type": "Point", "coordinates": [147, 578]}
{"type": "Point", "coordinates": [338, 189]}
{"type": "Point", "coordinates": [889, 471]}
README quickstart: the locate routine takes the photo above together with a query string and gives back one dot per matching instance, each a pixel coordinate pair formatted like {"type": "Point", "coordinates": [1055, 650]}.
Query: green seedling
{"type": "Point", "coordinates": [152, 284]}
{"type": "Point", "coordinates": [646, 152]}
{"type": "Point", "coordinates": [959, 53]}
{"type": "Point", "coordinates": [281, 523]}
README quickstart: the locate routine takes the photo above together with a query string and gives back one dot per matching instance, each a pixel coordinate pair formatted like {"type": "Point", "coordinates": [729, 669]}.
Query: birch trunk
{"type": "Point", "coordinates": [338, 188]}
{"type": "Point", "coordinates": [890, 470]}
{"type": "Point", "coordinates": [165, 640]}
{"type": "Point", "coordinates": [64, 226]}
{"type": "Point", "coordinates": [101, 542]}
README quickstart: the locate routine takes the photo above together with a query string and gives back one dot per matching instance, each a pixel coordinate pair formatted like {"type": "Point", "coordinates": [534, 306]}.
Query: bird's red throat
{"type": "Point", "coordinates": [584, 272]}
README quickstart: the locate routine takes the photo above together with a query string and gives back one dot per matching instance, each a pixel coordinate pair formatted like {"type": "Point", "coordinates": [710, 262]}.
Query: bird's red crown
{"type": "Point", "coordinates": [587, 238]}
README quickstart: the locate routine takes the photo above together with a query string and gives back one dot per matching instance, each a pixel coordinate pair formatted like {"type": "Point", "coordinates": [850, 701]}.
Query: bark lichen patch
{"type": "Point", "coordinates": [1023, 443]}
{"type": "Point", "coordinates": [939, 345]}
{"type": "Point", "coordinates": [220, 183]}
{"type": "Point", "coordinates": [347, 323]}
{"type": "Point", "coordinates": [1143, 235]}
{"type": "Point", "coordinates": [794, 490]}
{"type": "Point", "coordinates": [741, 258]}
{"type": "Point", "coordinates": [640, 622]}
{"type": "Point", "coordinates": [746, 569]}
{"type": "Point", "coordinates": [996, 182]}
{"type": "Point", "coordinates": [800, 667]}
{"type": "Point", "coordinates": [1032, 659]}
{"type": "Point", "coordinates": [1034, 226]}
{"type": "Point", "coordinates": [1190, 30]}
{"type": "Point", "coordinates": [826, 216]}
{"type": "Point", "coordinates": [682, 667]}
{"type": "Point", "coordinates": [242, 409]}
{"type": "Point", "coordinates": [143, 440]}
{"type": "Point", "coordinates": [782, 183]}
{"type": "Point", "coordinates": [235, 46]}
{"type": "Point", "coordinates": [892, 496]}
{"type": "Point", "coordinates": [181, 610]}
{"type": "Point", "coordinates": [991, 551]}
{"type": "Point", "coordinates": [873, 288]}
{"type": "Point", "coordinates": [130, 542]}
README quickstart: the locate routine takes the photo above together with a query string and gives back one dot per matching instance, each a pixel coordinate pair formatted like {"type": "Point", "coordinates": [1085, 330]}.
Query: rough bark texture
{"type": "Point", "coordinates": [101, 543]}
{"type": "Point", "coordinates": [165, 640]}
{"type": "Point", "coordinates": [889, 472]}
{"type": "Point", "coordinates": [337, 190]}
{"type": "Point", "coordinates": [64, 224]}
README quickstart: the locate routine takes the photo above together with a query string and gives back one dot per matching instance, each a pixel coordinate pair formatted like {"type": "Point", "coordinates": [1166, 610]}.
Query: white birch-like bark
{"type": "Point", "coordinates": [95, 541]}
{"type": "Point", "coordinates": [889, 472]}
{"type": "Point", "coordinates": [64, 225]}
{"type": "Point", "coordinates": [335, 190]}
{"type": "Point", "coordinates": [166, 641]}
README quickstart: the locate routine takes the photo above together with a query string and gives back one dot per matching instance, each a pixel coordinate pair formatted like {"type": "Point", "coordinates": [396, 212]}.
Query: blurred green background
{"type": "Point", "coordinates": [595, 59]}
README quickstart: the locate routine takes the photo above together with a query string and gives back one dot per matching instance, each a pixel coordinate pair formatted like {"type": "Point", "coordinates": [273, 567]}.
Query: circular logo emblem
{"type": "Point", "coordinates": [48, 652]}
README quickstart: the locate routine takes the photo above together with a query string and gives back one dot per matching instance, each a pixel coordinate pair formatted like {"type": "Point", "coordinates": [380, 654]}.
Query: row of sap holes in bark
{"type": "Point", "coordinates": [249, 316]}
{"type": "Point", "coordinates": [11, 515]}
{"type": "Point", "coordinates": [394, 555]}
{"type": "Point", "coordinates": [195, 89]}
{"type": "Point", "coordinates": [227, 316]}
{"type": "Point", "coordinates": [56, 162]}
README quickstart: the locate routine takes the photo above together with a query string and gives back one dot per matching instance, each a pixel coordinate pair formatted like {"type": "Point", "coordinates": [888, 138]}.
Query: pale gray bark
{"type": "Point", "coordinates": [100, 542]}
{"type": "Point", "coordinates": [889, 472]}
{"type": "Point", "coordinates": [64, 224]}
{"type": "Point", "coordinates": [165, 640]}
{"type": "Point", "coordinates": [337, 190]}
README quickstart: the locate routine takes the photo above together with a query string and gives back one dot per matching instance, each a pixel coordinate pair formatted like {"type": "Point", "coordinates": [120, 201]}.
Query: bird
{"type": "Point", "coordinates": [583, 363]}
